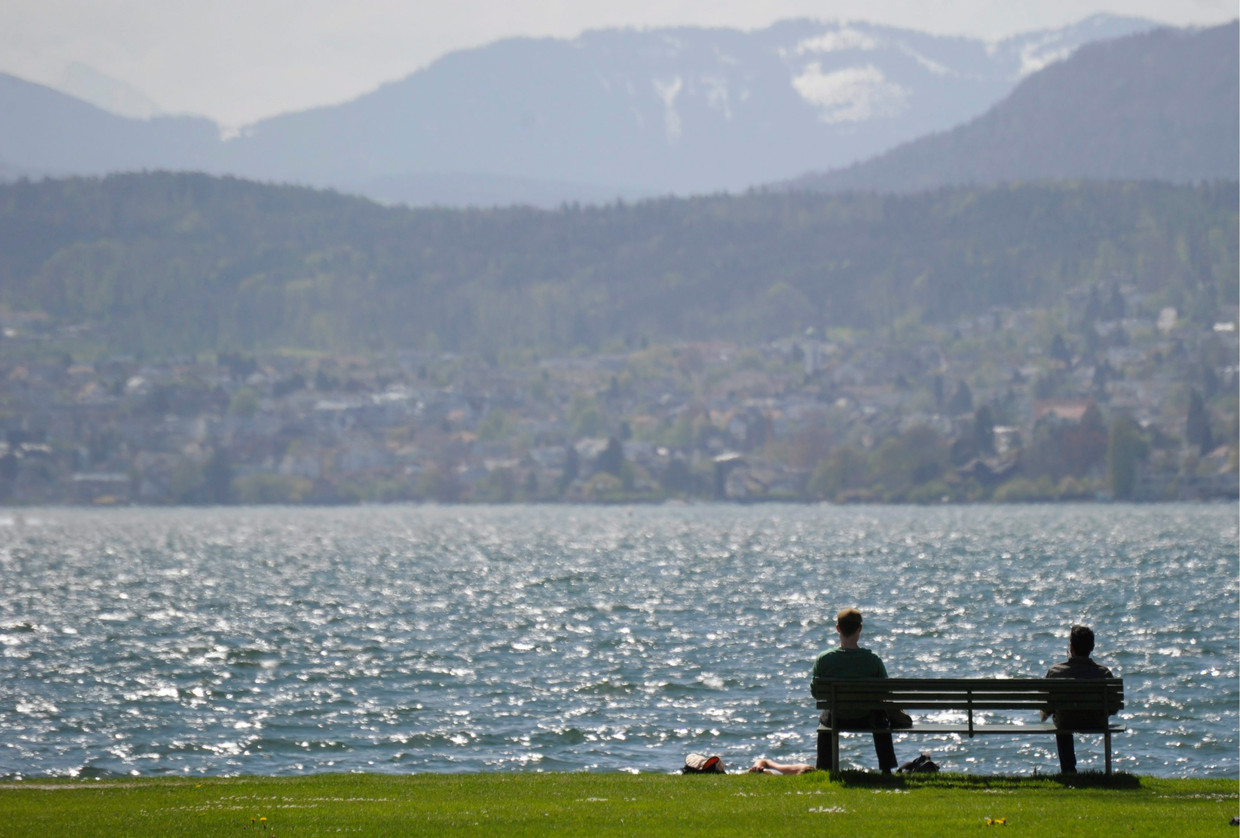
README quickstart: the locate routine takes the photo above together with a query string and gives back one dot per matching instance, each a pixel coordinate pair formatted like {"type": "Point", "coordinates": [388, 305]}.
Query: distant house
{"type": "Point", "coordinates": [1007, 439]}
{"type": "Point", "coordinates": [590, 452]}
{"type": "Point", "coordinates": [1065, 411]}
{"type": "Point", "coordinates": [1069, 438]}
{"type": "Point", "coordinates": [989, 471]}
{"type": "Point", "coordinates": [101, 487]}
{"type": "Point", "coordinates": [749, 479]}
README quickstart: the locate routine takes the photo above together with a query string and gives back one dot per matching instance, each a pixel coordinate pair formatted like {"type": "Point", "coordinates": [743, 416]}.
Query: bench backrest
{"type": "Point", "coordinates": [856, 697]}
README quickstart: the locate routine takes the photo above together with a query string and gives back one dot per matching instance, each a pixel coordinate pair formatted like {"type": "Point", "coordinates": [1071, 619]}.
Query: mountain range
{"type": "Point", "coordinates": [1161, 105]}
{"type": "Point", "coordinates": [610, 114]}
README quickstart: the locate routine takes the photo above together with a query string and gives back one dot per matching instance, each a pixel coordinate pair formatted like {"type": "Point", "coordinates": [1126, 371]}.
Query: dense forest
{"type": "Point", "coordinates": [155, 264]}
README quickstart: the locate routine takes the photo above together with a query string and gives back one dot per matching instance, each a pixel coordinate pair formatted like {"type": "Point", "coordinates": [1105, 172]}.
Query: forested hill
{"type": "Point", "coordinates": [176, 263]}
{"type": "Point", "coordinates": [1160, 105]}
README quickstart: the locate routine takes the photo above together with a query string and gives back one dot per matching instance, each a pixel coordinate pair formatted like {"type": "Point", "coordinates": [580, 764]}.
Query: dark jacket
{"type": "Point", "coordinates": [1078, 668]}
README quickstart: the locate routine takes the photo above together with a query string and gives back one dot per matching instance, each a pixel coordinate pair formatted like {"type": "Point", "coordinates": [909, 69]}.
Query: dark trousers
{"type": "Point", "coordinates": [1067, 752]}
{"type": "Point", "coordinates": [883, 746]}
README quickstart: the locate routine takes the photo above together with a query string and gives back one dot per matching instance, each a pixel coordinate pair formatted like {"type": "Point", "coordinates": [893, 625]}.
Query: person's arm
{"type": "Point", "coordinates": [821, 667]}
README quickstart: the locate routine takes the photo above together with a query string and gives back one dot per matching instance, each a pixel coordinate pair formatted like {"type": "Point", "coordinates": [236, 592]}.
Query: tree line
{"type": "Point", "coordinates": [163, 263]}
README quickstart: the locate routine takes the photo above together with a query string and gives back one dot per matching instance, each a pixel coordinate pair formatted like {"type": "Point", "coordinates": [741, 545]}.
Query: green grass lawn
{"type": "Point", "coordinates": [620, 804]}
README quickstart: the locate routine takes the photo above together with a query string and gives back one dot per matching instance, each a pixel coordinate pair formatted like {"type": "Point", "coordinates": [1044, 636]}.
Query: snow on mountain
{"type": "Point", "coordinates": [1158, 105]}
{"type": "Point", "coordinates": [618, 113]}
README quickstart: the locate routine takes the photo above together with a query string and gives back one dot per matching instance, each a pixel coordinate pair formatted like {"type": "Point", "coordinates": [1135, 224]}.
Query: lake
{"type": "Point", "coordinates": [400, 639]}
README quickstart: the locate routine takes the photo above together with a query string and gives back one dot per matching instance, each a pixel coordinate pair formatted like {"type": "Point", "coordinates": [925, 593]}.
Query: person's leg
{"type": "Point", "coordinates": [764, 766]}
{"type": "Point", "coordinates": [824, 750]}
{"type": "Point", "coordinates": [886, 750]}
{"type": "Point", "coordinates": [1067, 752]}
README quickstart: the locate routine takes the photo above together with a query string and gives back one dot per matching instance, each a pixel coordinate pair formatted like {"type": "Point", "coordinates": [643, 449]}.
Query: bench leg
{"type": "Point", "coordinates": [828, 750]}
{"type": "Point", "coordinates": [1107, 737]}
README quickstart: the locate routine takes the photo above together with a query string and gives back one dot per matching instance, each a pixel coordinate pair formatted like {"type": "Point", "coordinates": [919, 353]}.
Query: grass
{"type": "Point", "coordinates": [852, 804]}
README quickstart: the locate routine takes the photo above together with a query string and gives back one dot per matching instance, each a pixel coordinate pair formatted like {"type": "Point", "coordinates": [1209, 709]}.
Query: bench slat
{"type": "Point", "coordinates": [973, 693]}
{"type": "Point", "coordinates": [978, 684]}
{"type": "Point", "coordinates": [940, 700]}
{"type": "Point", "coordinates": [1015, 729]}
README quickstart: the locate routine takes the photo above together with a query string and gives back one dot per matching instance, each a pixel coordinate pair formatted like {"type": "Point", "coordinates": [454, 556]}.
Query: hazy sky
{"type": "Point", "coordinates": [237, 61]}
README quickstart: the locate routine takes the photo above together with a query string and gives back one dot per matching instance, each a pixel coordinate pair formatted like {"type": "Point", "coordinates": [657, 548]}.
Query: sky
{"type": "Point", "coordinates": [237, 61]}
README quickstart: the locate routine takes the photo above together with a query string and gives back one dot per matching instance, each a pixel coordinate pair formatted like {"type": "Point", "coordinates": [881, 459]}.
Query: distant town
{"type": "Point", "coordinates": [1115, 402]}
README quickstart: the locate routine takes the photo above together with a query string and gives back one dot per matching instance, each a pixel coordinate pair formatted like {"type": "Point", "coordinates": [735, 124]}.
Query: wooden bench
{"type": "Point", "coordinates": [976, 699]}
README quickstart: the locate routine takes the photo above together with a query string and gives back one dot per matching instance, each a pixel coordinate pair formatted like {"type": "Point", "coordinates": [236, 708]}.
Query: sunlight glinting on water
{"type": "Point", "coordinates": [402, 639]}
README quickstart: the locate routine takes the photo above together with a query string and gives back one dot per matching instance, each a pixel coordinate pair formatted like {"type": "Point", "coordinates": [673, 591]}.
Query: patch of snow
{"type": "Point", "coordinates": [841, 39]}
{"type": "Point", "coordinates": [667, 91]}
{"type": "Point", "coordinates": [854, 94]}
{"type": "Point", "coordinates": [1040, 54]}
{"type": "Point", "coordinates": [1032, 61]}
{"type": "Point", "coordinates": [933, 66]}
{"type": "Point", "coordinates": [673, 44]}
{"type": "Point", "coordinates": [717, 95]}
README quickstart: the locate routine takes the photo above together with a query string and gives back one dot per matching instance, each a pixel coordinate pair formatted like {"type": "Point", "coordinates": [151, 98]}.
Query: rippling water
{"type": "Point", "coordinates": [417, 639]}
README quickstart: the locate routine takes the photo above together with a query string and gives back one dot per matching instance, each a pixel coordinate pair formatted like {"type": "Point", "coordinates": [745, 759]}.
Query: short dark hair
{"type": "Point", "coordinates": [848, 621]}
{"type": "Point", "coordinates": [1081, 640]}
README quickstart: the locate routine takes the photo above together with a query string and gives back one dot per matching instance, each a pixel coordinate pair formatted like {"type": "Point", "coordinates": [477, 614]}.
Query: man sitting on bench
{"type": "Point", "coordinates": [1078, 665]}
{"type": "Point", "coordinates": [851, 661]}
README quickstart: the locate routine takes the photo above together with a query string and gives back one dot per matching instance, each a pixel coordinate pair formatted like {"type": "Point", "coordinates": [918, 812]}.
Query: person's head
{"type": "Point", "coordinates": [1081, 641]}
{"type": "Point", "coordinates": [848, 622]}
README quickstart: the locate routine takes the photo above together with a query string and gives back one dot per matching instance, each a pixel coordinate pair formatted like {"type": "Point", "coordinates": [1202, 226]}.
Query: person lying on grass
{"type": "Point", "coordinates": [770, 766]}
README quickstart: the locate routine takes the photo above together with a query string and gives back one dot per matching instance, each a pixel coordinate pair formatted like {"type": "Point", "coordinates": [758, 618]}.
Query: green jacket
{"type": "Point", "coordinates": [849, 663]}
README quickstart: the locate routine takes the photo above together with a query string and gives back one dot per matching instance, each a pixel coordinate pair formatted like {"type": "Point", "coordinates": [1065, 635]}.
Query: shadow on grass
{"type": "Point", "coordinates": [1084, 780]}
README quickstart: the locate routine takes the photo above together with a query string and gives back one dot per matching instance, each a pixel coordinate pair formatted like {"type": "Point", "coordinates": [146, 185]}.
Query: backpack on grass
{"type": "Point", "coordinates": [918, 764]}
{"type": "Point", "coordinates": [699, 764]}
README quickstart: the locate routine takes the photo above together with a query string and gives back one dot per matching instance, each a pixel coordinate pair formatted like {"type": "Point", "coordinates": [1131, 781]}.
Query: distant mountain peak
{"type": "Point", "coordinates": [619, 113]}
{"type": "Point", "coordinates": [1160, 105]}
{"type": "Point", "coordinates": [103, 91]}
